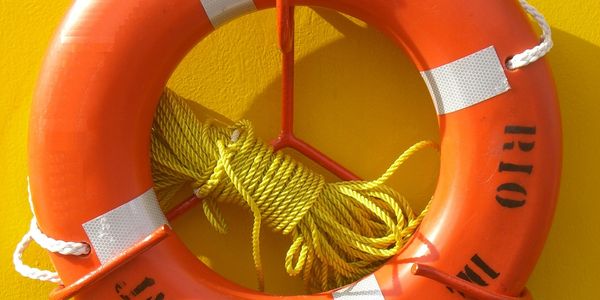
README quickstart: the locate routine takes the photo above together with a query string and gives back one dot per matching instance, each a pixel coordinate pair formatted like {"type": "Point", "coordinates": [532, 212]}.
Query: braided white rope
{"type": "Point", "coordinates": [531, 55]}
{"type": "Point", "coordinates": [48, 243]}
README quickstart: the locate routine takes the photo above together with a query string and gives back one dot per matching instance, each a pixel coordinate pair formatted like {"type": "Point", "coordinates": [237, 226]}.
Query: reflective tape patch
{"type": "Point", "coordinates": [221, 11]}
{"type": "Point", "coordinates": [467, 81]}
{"type": "Point", "coordinates": [117, 230]}
{"type": "Point", "coordinates": [365, 289]}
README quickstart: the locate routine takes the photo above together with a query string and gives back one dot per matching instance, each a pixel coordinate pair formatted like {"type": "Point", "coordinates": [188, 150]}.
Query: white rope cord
{"type": "Point", "coordinates": [27, 271]}
{"type": "Point", "coordinates": [531, 55]}
{"type": "Point", "coordinates": [48, 243]}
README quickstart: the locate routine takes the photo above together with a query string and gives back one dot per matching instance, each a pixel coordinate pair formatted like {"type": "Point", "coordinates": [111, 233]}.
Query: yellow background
{"type": "Point", "coordinates": [358, 100]}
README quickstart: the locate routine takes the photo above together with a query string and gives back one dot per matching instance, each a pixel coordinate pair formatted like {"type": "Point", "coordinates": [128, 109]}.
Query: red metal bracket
{"type": "Point", "coordinates": [463, 286]}
{"type": "Point", "coordinates": [287, 138]}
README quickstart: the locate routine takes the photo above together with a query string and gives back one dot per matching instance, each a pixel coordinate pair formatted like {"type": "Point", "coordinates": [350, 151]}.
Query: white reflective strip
{"type": "Point", "coordinates": [117, 230]}
{"type": "Point", "coordinates": [221, 11]}
{"type": "Point", "coordinates": [467, 81]}
{"type": "Point", "coordinates": [365, 289]}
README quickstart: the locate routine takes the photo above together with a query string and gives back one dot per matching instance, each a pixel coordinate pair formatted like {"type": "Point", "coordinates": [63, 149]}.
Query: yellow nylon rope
{"type": "Point", "coordinates": [339, 231]}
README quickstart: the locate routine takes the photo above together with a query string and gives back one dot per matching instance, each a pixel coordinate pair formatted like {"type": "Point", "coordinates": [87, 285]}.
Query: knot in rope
{"type": "Point", "coordinates": [340, 231]}
{"type": "Point", "coordinates": [278, 187]}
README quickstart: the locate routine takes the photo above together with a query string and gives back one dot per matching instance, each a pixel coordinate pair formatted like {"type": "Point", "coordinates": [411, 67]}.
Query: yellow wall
{"type": "Point", "coordinates": [342, 66]}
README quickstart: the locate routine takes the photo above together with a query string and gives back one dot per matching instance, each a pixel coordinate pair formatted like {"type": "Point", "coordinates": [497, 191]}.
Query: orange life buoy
{"type": "Point", "coordinates": [90, 132]}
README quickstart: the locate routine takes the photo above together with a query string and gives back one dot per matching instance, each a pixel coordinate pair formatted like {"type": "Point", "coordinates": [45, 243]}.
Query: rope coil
{"type": "Point", "coordinates": [347, 229]}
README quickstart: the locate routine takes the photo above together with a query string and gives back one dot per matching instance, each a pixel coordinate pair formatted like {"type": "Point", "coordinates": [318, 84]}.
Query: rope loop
{"type": "Point", "coordinates": [533, 54]}
{"type": "Point", "coordinates": [46, 242]}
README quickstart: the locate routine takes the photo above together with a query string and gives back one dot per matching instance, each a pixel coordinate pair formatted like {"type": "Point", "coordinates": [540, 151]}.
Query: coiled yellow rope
{"type": "Point", "coordinates": [340, 231]}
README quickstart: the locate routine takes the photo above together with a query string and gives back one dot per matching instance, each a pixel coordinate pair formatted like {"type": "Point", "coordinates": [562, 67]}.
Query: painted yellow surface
{"type": "Point", "coordinates": [358, 100]}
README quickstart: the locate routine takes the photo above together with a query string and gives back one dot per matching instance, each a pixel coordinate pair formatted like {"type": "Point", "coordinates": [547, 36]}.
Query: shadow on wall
{"type": "Point", "coordinates": [568, 266]}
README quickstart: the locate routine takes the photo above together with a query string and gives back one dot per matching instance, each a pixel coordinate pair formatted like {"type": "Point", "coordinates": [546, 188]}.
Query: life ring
{"type": "Point", "coordinates": [89, 146]}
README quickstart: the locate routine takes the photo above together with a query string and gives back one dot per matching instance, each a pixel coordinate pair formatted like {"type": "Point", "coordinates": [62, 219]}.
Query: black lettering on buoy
{"type": "Point", "coordinates": [510, 203]}
{"type": "Point", "coordinates": [470, 275]}
{"type": "Point", "coordinates": [504, 167]}
{"type": "Point", "coordinates": [138, 290]}
{"type": "Point", "coordinates": [484, 267]}
{"type": "Point", "coordinates": [510, 167]}
{"type": "Point", "coordinates": [513, 129]}
{"type": "Point", "coordinates": [147, 282]}
{"type": "Point", "coordinates": [526, 147]}
{"type": "Point", "coordinates": [511, 187]}
{"type": "Point", "coordinates": [119, 286]}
